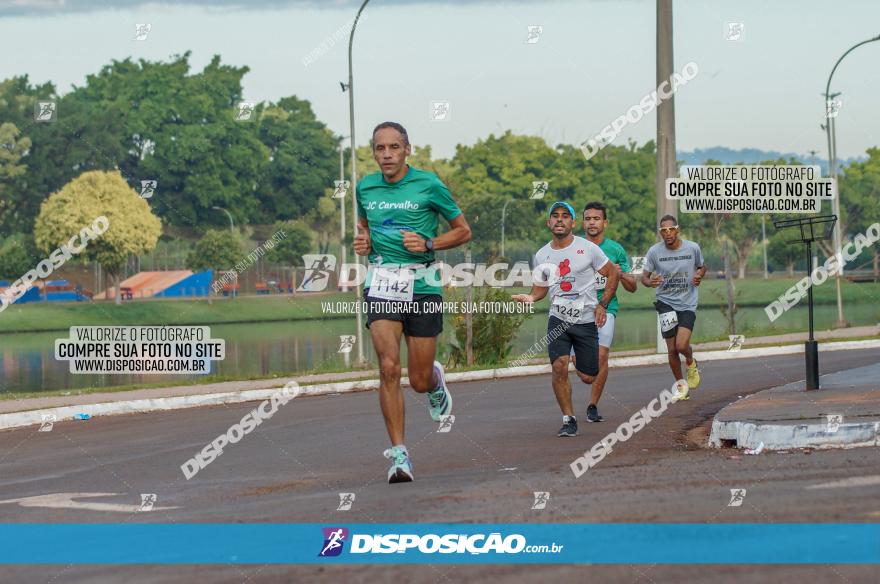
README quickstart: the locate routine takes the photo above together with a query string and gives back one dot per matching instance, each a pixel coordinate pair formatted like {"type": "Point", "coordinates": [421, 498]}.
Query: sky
{"type": "Point", "coordinates": [592, 61]}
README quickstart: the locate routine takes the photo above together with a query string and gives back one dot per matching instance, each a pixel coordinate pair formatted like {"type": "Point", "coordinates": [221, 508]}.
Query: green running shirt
{"type": "Point", "coordinates": [414, 203]}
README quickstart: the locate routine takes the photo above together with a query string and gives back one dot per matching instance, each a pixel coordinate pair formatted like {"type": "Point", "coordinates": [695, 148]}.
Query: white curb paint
{"type": "Point", "coordinates": [794, 435]}
{"type": "Point", "coordinates": [28, 418]}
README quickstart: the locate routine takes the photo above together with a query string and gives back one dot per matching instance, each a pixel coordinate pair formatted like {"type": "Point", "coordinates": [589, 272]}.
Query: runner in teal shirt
{"type": "Point", "coordinates": [398, 214]}
{"type": "Point", "coordinates": [595, 222]}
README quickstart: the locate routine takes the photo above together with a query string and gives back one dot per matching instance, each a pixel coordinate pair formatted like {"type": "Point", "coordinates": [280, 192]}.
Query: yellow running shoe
{"type": "Point", "coordinates": [693, 375]}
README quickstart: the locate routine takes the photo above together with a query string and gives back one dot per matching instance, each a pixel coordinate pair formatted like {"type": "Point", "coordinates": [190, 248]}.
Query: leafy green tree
{"type": "Point", "coordinates": [497, 170]}
{"type": "Point", "coordinates": [324, 220]}
{"type": "Point", "coordinates": [133, 229]}
{"type": "Point", "coordinates": [218, 249]}
{"type": "Point", "coordinates": [18, 254]}
{"type": "Point", "coordinates": [302, 160]}
{"type": "Point", "coordinates": [297, 242]}
{"type": "Point", "coordinates": [780, 253]}
{"type": "Point", "coordinates": [860, 199]}
{"type": "Point", "coordinates": [179, 128]}
{"type": "Point", "coordinates": [621, 177]}
{"type": "Point", "coordinates": [12, 148]}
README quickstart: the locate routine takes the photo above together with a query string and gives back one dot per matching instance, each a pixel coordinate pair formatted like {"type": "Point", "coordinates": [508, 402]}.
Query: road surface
{"type": "Point", "coordinates": [501, 449]}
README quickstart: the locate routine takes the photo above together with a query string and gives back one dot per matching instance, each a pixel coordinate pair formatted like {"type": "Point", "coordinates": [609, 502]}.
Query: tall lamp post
{"type": "Point", "coordinates": [666, 166]}
{"type": "Point", "coordinates": [360, 345]}
{"type": "Point", "coordinates": [831, 133]}
{"type": "Point", "coordinates": [228, 214]}
{"type": "Point", "coordinates": [503, 215]}
{"type": "Point", "coordinates": [343, 249]}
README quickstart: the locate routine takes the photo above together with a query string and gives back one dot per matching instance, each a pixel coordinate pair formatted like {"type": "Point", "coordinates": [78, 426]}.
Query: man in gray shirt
{"type": "Point", "coordinates": [675, 267]}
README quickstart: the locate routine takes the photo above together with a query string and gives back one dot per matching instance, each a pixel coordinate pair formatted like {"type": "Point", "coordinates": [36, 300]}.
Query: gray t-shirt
{"type": "Point", "coordinates": [676, 267]}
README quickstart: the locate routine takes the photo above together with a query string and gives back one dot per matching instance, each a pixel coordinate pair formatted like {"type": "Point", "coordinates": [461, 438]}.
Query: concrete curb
{"type": "Point", "coordinates": [31, 417]}
{"type": "Point", "coordinates": [795, 435]}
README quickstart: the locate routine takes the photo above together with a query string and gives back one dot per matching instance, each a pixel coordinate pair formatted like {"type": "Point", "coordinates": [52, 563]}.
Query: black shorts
{"type": "Point", "coordinates": [421, 318]}
{"type": "Point", "coordinates": [583, 337]}
{"type": "Point", "coordinates": [686, 319]}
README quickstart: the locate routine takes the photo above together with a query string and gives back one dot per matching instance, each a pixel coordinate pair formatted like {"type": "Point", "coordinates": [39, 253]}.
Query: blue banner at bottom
{"type": "Point", "coordinates": [396, 543]}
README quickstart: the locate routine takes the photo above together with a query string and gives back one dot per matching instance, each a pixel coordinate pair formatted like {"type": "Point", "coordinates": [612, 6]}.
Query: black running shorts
{"type": "Point", "coordinates": [423, 317]}
{"type": "Point", "coordinates": [686, 319]}
{"type": "Point", "coordinates": [584, 338]}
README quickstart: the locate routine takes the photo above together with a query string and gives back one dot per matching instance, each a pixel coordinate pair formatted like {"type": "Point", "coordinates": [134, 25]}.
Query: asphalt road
{"type": "Point", "coordinates": [500, 450]}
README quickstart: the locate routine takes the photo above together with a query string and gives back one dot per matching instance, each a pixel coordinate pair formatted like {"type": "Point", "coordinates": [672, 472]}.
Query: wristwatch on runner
{"type": "Point", "coordinates": [429, 244]}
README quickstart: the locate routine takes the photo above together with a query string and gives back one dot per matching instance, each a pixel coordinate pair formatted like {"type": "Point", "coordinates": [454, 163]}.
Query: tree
{"type": "Point", "coordinates": [324, 220]}
{"type": "Point", "coordinates": [297, 242]}
{"type": "Point", "coordinates": [12, 148]}
{"type": "Point", "coordinates": [179, 128]}
{"type": "Point", "coordinates": [860, 199]}
{"type": "Point", "coordinates": [133, 229]}
{"type": "Point", "coordinates": [782, 253]}
{"type": "Point", "coordinates": [743, 231]}
{"type": "Point", "coordinates": [500, 169]}
{"type": "Point", "coordinates": [621, 177]}
{"type": "Point", "coordinates": [302, 160]}
{"type": "Point", "coordinates": [18, 254]}
{"type": "Point", "coordinates": [218, 249]}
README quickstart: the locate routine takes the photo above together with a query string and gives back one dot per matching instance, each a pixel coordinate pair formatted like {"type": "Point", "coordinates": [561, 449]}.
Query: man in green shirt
{"type": "Point", "coordinates": [398, 214]}
{"type": "Point", "coordinates": [595, 222]}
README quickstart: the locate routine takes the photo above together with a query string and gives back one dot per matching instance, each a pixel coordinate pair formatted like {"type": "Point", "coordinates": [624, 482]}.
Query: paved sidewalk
{"type": "Point", "coordinates": [844, 412]}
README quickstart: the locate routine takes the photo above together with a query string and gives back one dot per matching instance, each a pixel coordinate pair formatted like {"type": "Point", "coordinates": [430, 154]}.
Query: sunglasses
{"type": "Point", "coordinates": [668, 229]}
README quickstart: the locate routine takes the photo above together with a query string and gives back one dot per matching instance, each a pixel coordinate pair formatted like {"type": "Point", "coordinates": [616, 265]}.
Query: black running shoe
{"type": "Point", "coordinates": [569, 427]}
{"type": "Point", "coordinates": [593, 413]}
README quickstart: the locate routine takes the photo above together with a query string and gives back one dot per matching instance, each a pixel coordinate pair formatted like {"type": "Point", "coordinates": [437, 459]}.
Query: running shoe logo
{"type": "Point", "coordinates": [334, 541]}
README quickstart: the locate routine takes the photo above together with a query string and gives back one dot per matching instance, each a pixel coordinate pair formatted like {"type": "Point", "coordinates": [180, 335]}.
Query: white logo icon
{"type": "Point", "coordinates": [535, 31]}
{"type": "Point", "coordinates": [141, 31]}
{"type": "Point", "coordinates": [446, 422]}
{"type": "Point", "coordinates": [541, 499]}
{"type": "Point", "coordinates": [832, 107]}
{"type": "Point", "coordinates": [834, 422]}
{"type": "Point", "coordinates": [318, 270]}
{"type": "Point", "coordinates": [539, 189]}
{"type": "Point", "coordinates": [346, 500]}
{"type": "Point", "coordinates": [440, 111]}
{"type": "Point", "coordinates": [737, 496]}
{"type": "Point", "coordinates": [733, 31]}
{"type": "Point", "coordinates": [244, 112]}
{"type": "Point", "coordinates": [736, 343]}
{"type": "Point", "coordinates": [638, 265]}
{"type": "Point", "coordinates": [340, 188]}
{"type": "Point", "coordinates": [148, 188]}
{"type": "Point", "coordinates": [147, 501]}
{"type": "Point", "coordinates": [44, 111]}
{"type": "Point", "coordinates": [47, 421]}
{"type": "Point", "coordinates": [346, 343]}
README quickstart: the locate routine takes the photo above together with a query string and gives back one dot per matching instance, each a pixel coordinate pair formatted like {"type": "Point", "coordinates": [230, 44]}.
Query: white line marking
{"type": "Point", "coordinates": [66, 501]}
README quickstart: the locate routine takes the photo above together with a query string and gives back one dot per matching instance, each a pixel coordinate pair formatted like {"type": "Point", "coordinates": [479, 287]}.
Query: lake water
{"type": "Point", "coordinates": [27, 361]}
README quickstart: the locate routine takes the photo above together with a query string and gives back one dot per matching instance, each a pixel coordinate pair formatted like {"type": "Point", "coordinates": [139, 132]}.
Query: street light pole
{"type": "Point", "coordinates": [228, 214]}
{"type": "Point", "coordinates": [764, 242]}
{"type": "Point", "coordinates": [359, 293]}
{"type": "Point", "coordinates": [830, 130]}
{"type": "Point", "coordinates": [343, 249]}
{"type": "Point", "coordinates": [666, 164]}
{"type": "Point", "coordinates": [503, 214]}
